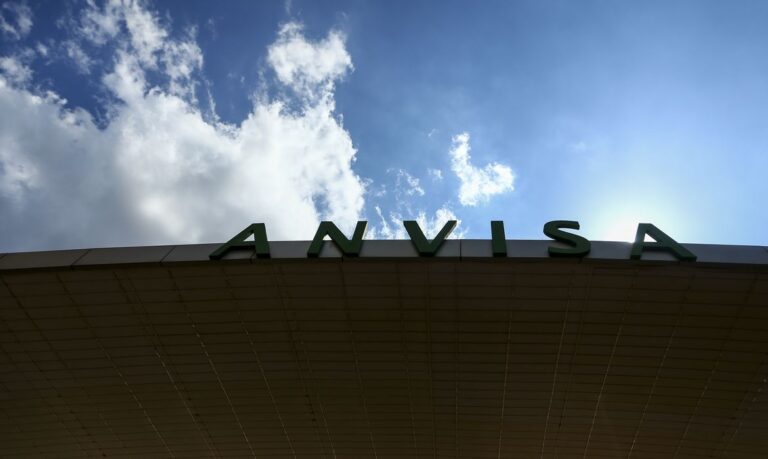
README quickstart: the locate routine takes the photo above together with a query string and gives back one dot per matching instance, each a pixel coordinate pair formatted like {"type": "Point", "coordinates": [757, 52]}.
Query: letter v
{"type": "Point", "coordinates": [419, 241]}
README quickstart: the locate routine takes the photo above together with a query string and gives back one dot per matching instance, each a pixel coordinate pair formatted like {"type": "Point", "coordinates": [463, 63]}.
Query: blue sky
{"type": "Point", "coordinates": [129, 123]}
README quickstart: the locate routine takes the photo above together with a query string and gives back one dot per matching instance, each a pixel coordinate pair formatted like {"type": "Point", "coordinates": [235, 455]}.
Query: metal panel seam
{"type": "Point", "coordinates": [87, 251]}
{"type": "Point", "coordinates": [168, 253]}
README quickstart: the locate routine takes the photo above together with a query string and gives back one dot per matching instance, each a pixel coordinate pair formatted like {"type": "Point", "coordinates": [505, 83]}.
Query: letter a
{"type": "Point", "coordinates": [663, 242]}
{"type": "Point", "coordinates": [260, 244]}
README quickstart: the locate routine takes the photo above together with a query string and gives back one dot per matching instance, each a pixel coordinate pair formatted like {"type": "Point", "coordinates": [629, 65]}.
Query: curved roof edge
{"type": "Point", "coordinates": [372, 249]}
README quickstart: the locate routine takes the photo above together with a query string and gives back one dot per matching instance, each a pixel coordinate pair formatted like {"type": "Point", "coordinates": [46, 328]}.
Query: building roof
{"type": "Point", "coordinates": [160, 351]}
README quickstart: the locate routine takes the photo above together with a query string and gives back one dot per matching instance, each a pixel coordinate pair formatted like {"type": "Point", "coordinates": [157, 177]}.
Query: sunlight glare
{"type": "Point", "coordinates": [621, 229]}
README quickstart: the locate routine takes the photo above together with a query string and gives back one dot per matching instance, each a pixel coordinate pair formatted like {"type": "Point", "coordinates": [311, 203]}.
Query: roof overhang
{"type": "Point", "coordinates": [160, 351]}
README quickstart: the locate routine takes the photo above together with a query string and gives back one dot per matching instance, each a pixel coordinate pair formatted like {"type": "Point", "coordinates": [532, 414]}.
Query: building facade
{"type": "Point", "coordinates": [163, 352]}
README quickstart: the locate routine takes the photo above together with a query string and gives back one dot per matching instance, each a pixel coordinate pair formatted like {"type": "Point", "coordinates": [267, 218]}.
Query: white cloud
{"type": "Point", "coordinates": [146, 34]}
{"type": "Point", "coordinates": [42, 49]}
{"type": "Point", "coordinates": [391, 226]}
{"type": "Point", "coordinates": [15, 20]}
{"type": "Point", "coordinates": [408, 184]}
{"type": "Point", "coordinates": [75, 53]}
{"type": "Point", "coordinates": [160, 171]}
{"type": "Point", "coordinates": [181, 59]}
{"type": "Point", "coordinates": [436, 174]}
{"type": "Point", "coordinates": [477, 184]}
{"type": "Point", "coordinates": [406, 188]}
{"type": "Point", "coordinates": [308, 68]}
{"type": "Point", "coordinates": [384, 230]}
{"type": "Point", "coordinates": [14, 70]}
{"type": "Point", "coordinates": [432, 226]}
{"type": "Point", "coordinates": [140, 37]}
{"type": "Point", "coordinates": [100, 24]}
{"type": "Point", "coordinates": [374, 190]}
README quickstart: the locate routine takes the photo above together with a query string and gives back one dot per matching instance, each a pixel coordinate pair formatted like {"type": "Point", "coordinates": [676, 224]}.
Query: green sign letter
{"type": "Point", "coordinates": [580, 245]}
{"type": "Point", "coordinates": [663, 242]}
{"type": "Point", "coordinates": [498, 239]}
{"type": "Point", "coordinates": [350, 248]}
{"type": "Point", "coordinates": [260, 243]}
{"type": "Point", "coordinates": [419, 241]}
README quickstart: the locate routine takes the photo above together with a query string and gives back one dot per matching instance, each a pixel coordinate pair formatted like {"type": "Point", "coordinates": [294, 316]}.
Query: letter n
{"type": "Point", "coordinates": [350, 248]}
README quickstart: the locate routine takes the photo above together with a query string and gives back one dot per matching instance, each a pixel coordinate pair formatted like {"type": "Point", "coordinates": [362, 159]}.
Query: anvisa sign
{"type": "Point", "coordinates": [575, 245]}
